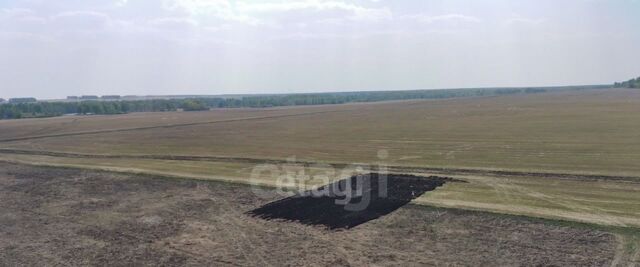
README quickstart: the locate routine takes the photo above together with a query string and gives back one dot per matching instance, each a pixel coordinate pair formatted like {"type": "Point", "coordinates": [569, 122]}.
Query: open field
{"type": "Point", "coordinates": [608, 202]}
{"type": "Point", "coordinates": [560, 155]}
{"type": "Point", "coordinates": [571, 157]}
{"type": "Point", "coordinates": [584, 132]}
{"type": "Point", "coordinates": [80, 125]}
{"type": "Point", "coordinates": [53, 216]}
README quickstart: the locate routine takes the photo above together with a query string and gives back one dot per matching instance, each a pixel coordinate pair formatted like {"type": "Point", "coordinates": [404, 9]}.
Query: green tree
{"type": "Point", "coordinates": [193, 105]}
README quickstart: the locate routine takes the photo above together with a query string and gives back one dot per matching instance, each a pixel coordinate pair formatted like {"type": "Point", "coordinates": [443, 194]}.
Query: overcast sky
{"type": "Point", "coordinates": [50, 49]}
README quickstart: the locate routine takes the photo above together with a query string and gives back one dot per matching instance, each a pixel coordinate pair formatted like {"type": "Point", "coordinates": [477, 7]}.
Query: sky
{"type": "Point", "coordinates": [51, 49]}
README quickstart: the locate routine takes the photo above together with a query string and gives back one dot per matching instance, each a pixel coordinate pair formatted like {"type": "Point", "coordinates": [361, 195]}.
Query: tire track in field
{"type": "Point", "coordinates": [397, 169]}
{"type": "Point", "coordinates": [516, 190]}
{"type": "Point", "coordinates": [166, 126]}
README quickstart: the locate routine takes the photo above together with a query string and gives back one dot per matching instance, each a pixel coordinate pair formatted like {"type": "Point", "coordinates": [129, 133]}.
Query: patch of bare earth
{"type": "Point", "coordinates": [71, 217]}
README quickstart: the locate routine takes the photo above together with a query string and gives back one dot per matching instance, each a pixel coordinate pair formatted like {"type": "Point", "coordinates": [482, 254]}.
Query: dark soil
{"type": "Point", "coordinates": [350, 202]}
{"type": "Point", "coordinates": [53, 217]}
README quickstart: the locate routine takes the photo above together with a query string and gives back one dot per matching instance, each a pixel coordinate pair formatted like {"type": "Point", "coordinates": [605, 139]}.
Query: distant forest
{"type": "Point", "coordinates": [633, 83]}
{"type": "Point", "coordinates": [52, 109]}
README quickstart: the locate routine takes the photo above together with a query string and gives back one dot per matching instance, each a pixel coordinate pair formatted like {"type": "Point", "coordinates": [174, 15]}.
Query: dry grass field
{"type": "Point", "coordinates": [569, 132]}
{"type": "Point", "coordinates": [52, 216]}
{"type": "Point", "coordinates": [572, 156]}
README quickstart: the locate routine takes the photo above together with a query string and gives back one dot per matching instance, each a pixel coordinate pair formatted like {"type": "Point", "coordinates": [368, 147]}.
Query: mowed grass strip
{"type": "Point", "coordinates": [601, 202]}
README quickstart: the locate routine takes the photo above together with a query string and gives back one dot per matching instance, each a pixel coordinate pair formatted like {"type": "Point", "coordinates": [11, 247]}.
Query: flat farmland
{"type": "Point", "coordinates": [54, 216]}
{"type": "Point", "coordinates": [589, 132]}
{"type": "Point", "coordinates": [533, 142]}
{"type": "Point", "coordinates": [572, 157]}
{"type": "Point", "coordinates": [38, 128]}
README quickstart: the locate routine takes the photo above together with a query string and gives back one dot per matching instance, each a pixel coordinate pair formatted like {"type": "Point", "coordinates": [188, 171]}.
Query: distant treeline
{"type": "Point", "coordinates": [51, 109]}
{"type": "Point", "coordinates": [633, 83]}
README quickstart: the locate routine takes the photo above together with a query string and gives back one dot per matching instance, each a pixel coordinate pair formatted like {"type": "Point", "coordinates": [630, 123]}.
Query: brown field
{"type": "Point", "coordinates": [587, 133]}
{"type": "Point", "coordinates": [34, 128]}
{"type": "Point", "coordinates": [74, 217]}
{"type": "Point", "coordinates": [582, 132]}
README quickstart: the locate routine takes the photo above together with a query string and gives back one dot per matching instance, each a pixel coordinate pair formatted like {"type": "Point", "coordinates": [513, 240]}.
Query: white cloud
{"type": "Point", "coordinates": [523, 21]}
{"type": "Point", "coordinates": [257, 45]}
{"type": "Point", "coordinates": [20, 20]}
{"type": "Point", "coordinates": [121, 3]}
{"type": "Point", "coordinates": [15, 12]}
{"type": "Point", "coordinates": [174, 24]}
{"type": "Point", "coordinates": [80, 20]}
{"type": "Point", "coordinates": [221, 9]}
{"type": "Point", "coordinates": [269, 12]}
{"type": "Point", "coordinates": [354, 11]}
{"type": "Point", "coordinates": [447, 18]}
